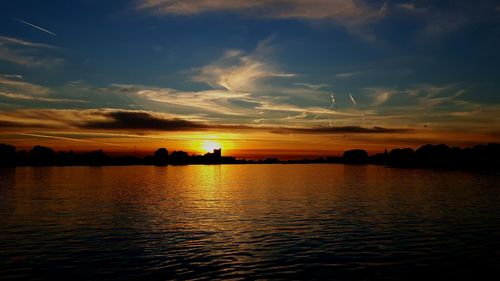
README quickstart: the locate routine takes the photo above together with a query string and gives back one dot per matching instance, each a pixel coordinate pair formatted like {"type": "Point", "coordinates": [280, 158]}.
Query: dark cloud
{"type": "Point", "coordinates": [341, 130]}
{"type": "Point", "coordinates": [144, 121]}
{"type": "Point", "coordinates": [136, 120]}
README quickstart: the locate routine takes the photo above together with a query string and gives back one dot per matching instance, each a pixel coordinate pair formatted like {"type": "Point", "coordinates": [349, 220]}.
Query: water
{"type": "Point", "coordinates": [330, 222]}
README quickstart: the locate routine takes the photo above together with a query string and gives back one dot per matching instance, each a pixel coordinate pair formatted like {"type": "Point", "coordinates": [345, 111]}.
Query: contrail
{"type": "Point", "coordinates": [352, 99]}
{"type": "Point", "coordinates": [69, 139]}
{"type": "Point", "coordinates": [35, 26]}
{"type": "Point", "coordinates": [316, 117]}
{"type": "Point", "coordinates": [383, 8]}
{"type": "Point", "coordinates": [330, 107]}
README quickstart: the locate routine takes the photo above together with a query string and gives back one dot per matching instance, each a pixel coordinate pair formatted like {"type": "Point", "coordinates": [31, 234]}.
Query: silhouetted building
{"type": "Point", "coordinates": [218, 153]}
{"type": "Point", "coordinates": [213, 158]}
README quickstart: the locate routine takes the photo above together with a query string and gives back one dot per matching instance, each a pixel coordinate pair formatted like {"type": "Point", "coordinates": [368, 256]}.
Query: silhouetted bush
{"type": "Point", "coordinates": [355, 156]}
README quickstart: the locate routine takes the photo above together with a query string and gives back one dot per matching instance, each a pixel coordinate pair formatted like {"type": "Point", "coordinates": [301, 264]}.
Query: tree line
{"type": "Point", "coordinates": [427, 156]}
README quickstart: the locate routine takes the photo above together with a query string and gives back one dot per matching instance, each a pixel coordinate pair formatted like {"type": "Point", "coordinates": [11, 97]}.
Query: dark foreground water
{"type": "Point", "coordinates": [330, 222]}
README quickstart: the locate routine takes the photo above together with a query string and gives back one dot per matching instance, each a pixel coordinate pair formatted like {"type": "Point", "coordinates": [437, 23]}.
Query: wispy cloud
{"type": "Point", "coordinates": [346, 75]}
{"type": "Point", "coordinates": [27, 53]}
{"type": "Point", "coordinates": [215, 101]}
{"type": "Point", "coordinates": [237, 71]}
{"type": "Point", "coordinates": [379, 95]}
{"type": "Point", "coordinates": [35, 98]}
{"type": "Point", "coordinates": [357, 16]}
{"type": "Point", "coordinates": [439, 19]}
{"type": "Point", "coordinates": [17, 89]}
{"type": "Point", "coordinates": [342, 10]}
{"type": "Point", "coordinates": [23, 86]}
{"type": "Point", "coordinates": [15, 76]}
{"type": "Point", "coordinates": [354, 15]}
{"type": "Point", "coordinates": [313, 86]}
{"type": "Point", "coordinates": [406, 5]}
{"type": "Point", "coordinates": [5, 40]}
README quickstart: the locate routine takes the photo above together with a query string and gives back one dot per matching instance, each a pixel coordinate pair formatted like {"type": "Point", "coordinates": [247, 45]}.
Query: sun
{"type": "Point", "coordinates": [209, 145]}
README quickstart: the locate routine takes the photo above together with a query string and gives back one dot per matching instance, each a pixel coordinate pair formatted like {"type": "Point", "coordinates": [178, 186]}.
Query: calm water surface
{"type": "Point", "coordinates": [330, 222]}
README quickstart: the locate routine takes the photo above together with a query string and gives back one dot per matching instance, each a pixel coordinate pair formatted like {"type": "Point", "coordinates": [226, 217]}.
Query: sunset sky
{"type": "Point", "coordinates": [258, 78]}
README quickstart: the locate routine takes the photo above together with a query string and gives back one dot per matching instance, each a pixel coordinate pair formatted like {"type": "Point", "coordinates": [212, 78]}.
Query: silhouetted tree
{"type": "Point", "coordinates": [401, 157]}
{"type": "Point", "coordinates": [179, 158]}
{"type": "Point", "coordinates": [484, 155]}
{"type": "Point", "coordinates": [434, 155]}
{"type": "Point", "coordinates": [42, 156]}
{"type": "Point", "coordinates": [22, 158]}
{"type": "Point", "coordinates": [161, 157]}
{"type": "Point", "coordinates": [96, 158]}
{"type": "Point", "coordinates": [427, 156]}
{"type": "Point", "coordinates": [355, 156]}
{"type": "Point", "coordinates": [271, 161]}
{"type": "Point", "coordinates": [7, 155]}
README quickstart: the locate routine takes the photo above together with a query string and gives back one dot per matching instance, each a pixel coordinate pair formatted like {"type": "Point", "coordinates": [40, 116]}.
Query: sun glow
{"type": "Point", "coordinates": [209, 145]}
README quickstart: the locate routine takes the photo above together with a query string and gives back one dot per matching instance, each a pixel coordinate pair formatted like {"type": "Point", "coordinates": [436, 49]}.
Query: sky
{"type": "Point", "coordinates": [257, 78]}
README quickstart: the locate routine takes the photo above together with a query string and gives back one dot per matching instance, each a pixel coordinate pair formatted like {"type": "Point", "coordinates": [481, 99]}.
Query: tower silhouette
{"type": "Point", "coordinates": [218, 153]}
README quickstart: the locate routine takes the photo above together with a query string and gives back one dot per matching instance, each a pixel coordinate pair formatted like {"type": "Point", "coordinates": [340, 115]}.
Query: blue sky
{"type": "Point", "coordinates": [255, 65]}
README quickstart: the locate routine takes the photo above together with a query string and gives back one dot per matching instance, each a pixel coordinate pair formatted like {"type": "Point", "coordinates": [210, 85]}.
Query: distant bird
{"type": "Point", "coordinates": [352, 98]}
{"type": "Point", "coordinates": [36, 26]}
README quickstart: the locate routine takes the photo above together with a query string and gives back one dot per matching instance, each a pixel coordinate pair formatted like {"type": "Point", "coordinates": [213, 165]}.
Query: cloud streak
{"type": "Point", "coordinates": [14, 88]}
{"type": "Point", "coordinates": [346, 75]}
{"type": "Point", "coordinates": [27, 53]}
{"type": "Point", "coordinates": [342, 10]}
{"type": "Point", "coordinates": [35, 98]}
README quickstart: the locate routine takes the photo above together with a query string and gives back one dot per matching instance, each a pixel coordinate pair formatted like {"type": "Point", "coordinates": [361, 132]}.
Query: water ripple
{"type": "Point", "coordinates": [247, 222]}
